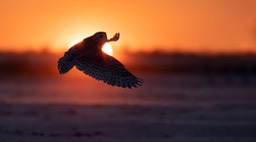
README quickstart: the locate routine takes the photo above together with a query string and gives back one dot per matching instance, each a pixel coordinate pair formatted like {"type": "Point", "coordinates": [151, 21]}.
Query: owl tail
{"type": "Point", "coordinates": [65, 63]}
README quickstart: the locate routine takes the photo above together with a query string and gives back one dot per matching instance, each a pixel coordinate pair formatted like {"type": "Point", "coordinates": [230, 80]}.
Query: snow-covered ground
{"type": "Point", "coordinates": [165, 108]}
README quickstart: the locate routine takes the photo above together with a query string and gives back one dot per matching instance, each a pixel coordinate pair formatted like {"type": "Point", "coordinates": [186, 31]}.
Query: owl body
{"type": "Point", "coordinates": [88, 57]}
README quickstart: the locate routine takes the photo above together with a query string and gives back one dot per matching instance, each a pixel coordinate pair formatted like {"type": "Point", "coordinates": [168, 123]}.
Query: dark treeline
{"type": "Point", "coordinates": [44, 63]}
{"type": "Point", "coordinates": [186, 63]}
{"type": "Point", "coordinates": [28, 63]}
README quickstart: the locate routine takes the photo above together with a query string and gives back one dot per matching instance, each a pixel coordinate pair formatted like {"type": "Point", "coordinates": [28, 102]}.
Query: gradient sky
{"type": "Point", "coordinates": [191, 25]}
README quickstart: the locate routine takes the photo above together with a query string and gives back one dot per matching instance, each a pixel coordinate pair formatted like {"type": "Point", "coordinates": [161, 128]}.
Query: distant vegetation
{"type": "Point", "coordinates": [186, 63]}
{"type": "Point", "coordinates": [44, 63]}
{"type": "Point", "coordinates": [28, 63]}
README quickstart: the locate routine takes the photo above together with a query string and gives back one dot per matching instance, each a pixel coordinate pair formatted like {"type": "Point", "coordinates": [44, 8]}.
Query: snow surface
{"type": "Point", "coordinates": [176, 109]}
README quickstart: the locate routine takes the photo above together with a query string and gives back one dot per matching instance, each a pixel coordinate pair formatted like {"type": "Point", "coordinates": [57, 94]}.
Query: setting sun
{"type": "Point", "coordinates": [107, 49]}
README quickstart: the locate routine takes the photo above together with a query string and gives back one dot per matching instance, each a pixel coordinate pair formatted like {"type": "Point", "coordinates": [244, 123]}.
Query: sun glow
{"type": "Point", "coordinates": [107, 49]}
{"type": "Point", "coordinates": [75, 42]}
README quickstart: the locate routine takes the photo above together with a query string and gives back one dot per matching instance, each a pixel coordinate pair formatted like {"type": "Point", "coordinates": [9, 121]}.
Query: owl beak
{"type": "Point", "coordinates": [114, 38]}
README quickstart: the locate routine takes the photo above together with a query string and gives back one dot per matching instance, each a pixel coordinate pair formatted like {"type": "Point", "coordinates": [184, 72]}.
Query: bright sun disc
{"type": "Point", "coordinates": [107, 49]}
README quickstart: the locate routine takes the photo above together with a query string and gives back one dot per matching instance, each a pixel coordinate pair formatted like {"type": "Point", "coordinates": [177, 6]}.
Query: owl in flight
{"type": "Point", "coordinates": [88, 57]}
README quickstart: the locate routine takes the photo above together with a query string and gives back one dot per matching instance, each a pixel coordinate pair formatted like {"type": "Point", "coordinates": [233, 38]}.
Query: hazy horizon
{"type": "Point", "coordinates": [119, 50]}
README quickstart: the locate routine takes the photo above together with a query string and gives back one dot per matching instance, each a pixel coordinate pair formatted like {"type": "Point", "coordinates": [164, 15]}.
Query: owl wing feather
{"type": "Point", "coordinates": [107, 69]}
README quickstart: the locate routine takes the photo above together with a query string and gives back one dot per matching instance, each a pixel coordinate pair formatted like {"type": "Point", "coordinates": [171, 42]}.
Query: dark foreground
{"type": "Point", "coordinates": [165, 108]}
{"type": "Point", "coordinates": [68, 123]}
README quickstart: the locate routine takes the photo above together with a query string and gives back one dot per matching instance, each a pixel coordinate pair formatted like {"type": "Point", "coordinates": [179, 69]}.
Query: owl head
{"type": "Point", "coordinates": [101, 38]}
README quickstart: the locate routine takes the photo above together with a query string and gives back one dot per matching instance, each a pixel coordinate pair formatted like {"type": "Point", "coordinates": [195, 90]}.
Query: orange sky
{"type": "Point", "coordinates": [204, 25]}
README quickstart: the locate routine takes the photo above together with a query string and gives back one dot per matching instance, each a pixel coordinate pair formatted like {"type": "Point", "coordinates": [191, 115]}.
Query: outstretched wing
{"type": "Point", "coordinates": [107, 69]}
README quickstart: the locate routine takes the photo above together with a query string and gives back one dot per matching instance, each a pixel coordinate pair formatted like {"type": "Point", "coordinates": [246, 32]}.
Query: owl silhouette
{"type": "Point", "coordinates": [88, 57]}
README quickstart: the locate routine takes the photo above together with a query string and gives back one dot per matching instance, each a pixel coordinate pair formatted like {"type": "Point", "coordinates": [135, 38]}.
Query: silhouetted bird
{"type": "Point", "coordinates": [88, 57]}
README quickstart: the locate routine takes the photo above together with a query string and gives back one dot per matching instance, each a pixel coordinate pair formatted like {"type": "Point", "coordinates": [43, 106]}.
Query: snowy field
{"type": "Point", "coordinates": [165, 108]}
